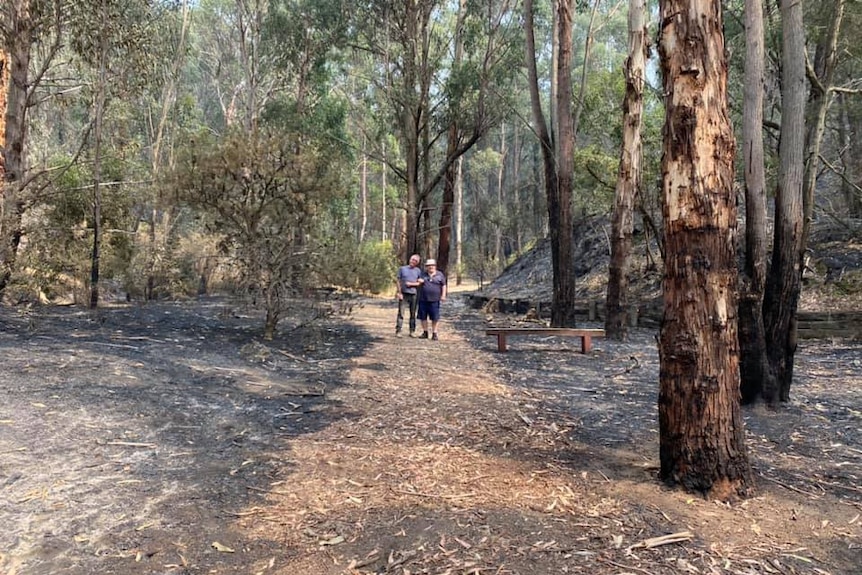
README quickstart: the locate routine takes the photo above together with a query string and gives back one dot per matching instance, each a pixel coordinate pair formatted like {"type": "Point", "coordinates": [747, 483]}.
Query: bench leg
{"type": "Point", "coordinates": [501, 342]}
{"type": "Point", "coordinates": [586, 344]}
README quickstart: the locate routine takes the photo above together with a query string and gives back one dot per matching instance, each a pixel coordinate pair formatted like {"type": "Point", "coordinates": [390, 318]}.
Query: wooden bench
{"type": "Point", "coordinates": [586, 335]}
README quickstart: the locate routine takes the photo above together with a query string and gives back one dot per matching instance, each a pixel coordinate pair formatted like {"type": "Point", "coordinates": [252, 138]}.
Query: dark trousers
{"type": "Point", "coordinates": [410, 302]}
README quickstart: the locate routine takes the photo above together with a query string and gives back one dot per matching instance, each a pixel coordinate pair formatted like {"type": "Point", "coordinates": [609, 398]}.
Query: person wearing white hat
{"type": "Point", "coordinates": [431, 293]}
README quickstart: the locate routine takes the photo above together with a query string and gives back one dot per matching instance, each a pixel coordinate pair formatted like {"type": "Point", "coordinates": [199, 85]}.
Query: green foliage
{"type": "Point", "coordinates": [596, 175]}
{"type": "Point", "coordinates": [368, 266]}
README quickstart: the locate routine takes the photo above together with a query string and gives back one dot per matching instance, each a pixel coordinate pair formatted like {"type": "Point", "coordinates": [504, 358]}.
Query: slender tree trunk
{"type": "Point", "coordinates": [821, 76]}
{"type": "Point", "coordinates": [99, 111]}
{"type": "Point", "coordinates": [445, 222]}
{"type": "Point", "coordinates": [754, 367]}
{"type": "Point", "coordinates": [630, 174]}
{"type": "Point", "coordinates": [702, 440]}
{"type": "Point", "coordinates": [783, 284]}
{"type": "Point", "coordinates": [501, 202]}
{"type": "Point", "coordinates": [588, 50]}
{"type": "Point", "coordinates": [384, 168]}
{"type": "Point", "coordinates": [410, 127]}
{"type": "Point", "coordinates": [852, 160]}
{"type": "Point", "coordinates": [520, 201]}
{"type": "Point", "coordinates": [158, 160]}
{"type": "Point", "coordinates": [363, 185]}
{"type": "Point", "coordinates": [459, 221]}
{"type": "Point", "coordinates": [449, 181]}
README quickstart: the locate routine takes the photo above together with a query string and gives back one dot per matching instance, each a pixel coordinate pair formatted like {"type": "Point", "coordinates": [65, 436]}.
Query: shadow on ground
{"type": "Point", "coordinates": [131, 437]}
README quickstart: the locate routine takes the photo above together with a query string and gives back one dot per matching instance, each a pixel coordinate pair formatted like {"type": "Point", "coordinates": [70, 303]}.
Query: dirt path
{"type": "Point", "coordinates": [159, 440]}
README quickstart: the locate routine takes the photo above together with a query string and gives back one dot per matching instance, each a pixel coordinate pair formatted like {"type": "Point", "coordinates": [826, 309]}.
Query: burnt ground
{"type": "Point", "coordinates": [167, 438]}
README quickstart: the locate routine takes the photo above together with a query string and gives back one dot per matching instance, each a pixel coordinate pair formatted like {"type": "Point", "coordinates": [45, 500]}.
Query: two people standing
{"type": "Point", "coordinates": [421, 293]}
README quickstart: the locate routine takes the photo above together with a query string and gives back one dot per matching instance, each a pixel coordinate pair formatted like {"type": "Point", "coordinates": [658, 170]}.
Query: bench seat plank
{"type": "Point", "coordinates": [586, 335]}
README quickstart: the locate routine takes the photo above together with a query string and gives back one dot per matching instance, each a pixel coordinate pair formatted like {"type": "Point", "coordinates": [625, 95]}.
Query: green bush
{"type": "Point", "coordinates": [368, 266]}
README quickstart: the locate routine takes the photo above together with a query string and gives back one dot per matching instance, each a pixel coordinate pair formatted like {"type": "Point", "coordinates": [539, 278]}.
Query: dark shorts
{"type": "Point", "coordinates": [429, 310]}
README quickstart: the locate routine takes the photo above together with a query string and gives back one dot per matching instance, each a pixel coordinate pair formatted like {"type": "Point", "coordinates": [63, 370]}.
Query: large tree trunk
{"type": "Point", "coordinates": [558, 185]}
{"type": "Point", "coordinates": [783, 284]}
{"type": "Point", "coordinates": [629, 177]}
{"type": "Point", "coordinates": [4, 90]}
{"type": "Point", "coordinates": [702, 441]}
{"type": "Point", "coordinates": [560, 197]}
{"type": "Point", "coordinates": [754, 367]}
{"type": "Point", "coordinates": [17, 66]}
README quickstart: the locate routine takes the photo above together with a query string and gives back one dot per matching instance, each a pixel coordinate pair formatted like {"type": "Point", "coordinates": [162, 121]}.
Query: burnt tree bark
{"type": "Point", "coordinates": [702, 442]}
{"type": "Point", "coordinates": [558, 169]}
{"type": "Point", "coordinates": [754, 368]}
{"type": "Point", "coordinates": [783, 283]}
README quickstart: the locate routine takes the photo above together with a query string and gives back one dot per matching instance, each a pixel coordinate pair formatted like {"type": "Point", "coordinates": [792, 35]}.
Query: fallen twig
{"type": "Point", "coordinates": [132, 444]}
{"type": "Point", "coordinates": [663, 540]}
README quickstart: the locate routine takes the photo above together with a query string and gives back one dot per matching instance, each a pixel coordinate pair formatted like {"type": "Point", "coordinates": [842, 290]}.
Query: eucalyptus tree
{"type": "Point", "coordinates": [784, 279]}
{"type": "Point", "coordinates": [702, 439]}
{"type": "Point", "coordinates": [24, 24]}
{"type": "Point", "coordinates": [821, 76]}
{"type": "Point", "coordinates": [629, 179]}
{"type": "Point", "coordinates": [161, 125]}
{"type": "Point", "coordinates": [752, 336]}
{"type": "Point", "coordinates": [414, 44]}
{"type": "Point", "coordinates": [557, 150]}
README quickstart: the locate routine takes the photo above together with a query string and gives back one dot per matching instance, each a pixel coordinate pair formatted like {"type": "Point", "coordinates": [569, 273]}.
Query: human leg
{"type": "Point", "coordinates": [423, 317]}
{"type": "Point", "coordinates": [399, 323]}
{"type": "Point", "coordinates": [413, 309]}
{"type": "Point", "coordinates": [434, 316]}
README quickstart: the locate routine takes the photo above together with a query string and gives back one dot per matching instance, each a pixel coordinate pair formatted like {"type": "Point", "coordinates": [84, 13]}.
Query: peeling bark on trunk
{"type": "Point", "coordinates": [702, 441]}
{"type": "Point", "coordinates": [629, 177]}
{"type": "Point", "coordinates": [12, 205]}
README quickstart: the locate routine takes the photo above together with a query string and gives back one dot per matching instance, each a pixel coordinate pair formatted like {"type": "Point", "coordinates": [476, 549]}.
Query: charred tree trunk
{"type": "Point", "coordinates": [754, 368]}
{"type": "Point", "coordinates": [444, 241]}
{"type": "Point", "coordinates": [629, 178]}
{"type": "Point", "coordinates": [783, 284]}
{"type": "Point", "coordinates": [702, 441]}
{"type": "Point", "coordinates": [560, 197]}
{"type": "Point", "coordinates": [557, 168]}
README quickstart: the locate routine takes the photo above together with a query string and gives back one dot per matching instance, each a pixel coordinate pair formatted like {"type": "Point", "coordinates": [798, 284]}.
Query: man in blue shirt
{"type": "Point", "coordinates": [407, 283]}
{"type": "Point", "coordinates": [431, 293]}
